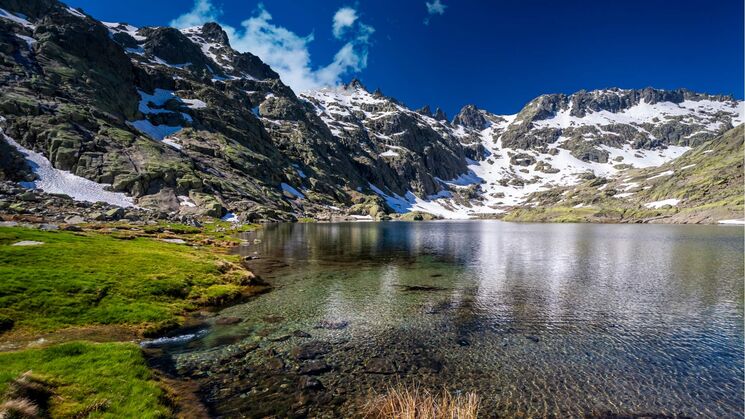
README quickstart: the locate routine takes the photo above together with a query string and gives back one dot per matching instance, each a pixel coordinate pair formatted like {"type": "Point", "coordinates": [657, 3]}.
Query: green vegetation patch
{"type": "Point", "coordinates": [78, 279]}
{"type": "Point", "coordinates": [108, 380]}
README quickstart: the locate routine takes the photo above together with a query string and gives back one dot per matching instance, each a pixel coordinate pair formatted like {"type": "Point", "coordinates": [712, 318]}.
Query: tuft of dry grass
{"type": "Point", "coordinates": [415, 403]}
{"type": "Point", "coordinates": [19, 409]}
{"type": "Point", "coordinates": [26, 397]}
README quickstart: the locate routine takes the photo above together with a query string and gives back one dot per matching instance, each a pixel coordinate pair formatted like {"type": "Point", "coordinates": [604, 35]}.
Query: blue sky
{"type": "Point", "coordinates": [497, 55]}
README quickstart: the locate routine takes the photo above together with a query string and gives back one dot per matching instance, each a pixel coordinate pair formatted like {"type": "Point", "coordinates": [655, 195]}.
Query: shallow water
{"type": "Point", "coordinates": [538, 319]}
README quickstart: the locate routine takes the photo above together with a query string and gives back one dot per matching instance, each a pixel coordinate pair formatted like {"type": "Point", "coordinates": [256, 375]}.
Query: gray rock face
{"type": "Point", "coordinates": [470, 117]}
{"type": "Point", "coordinates": [440, 115]}
{"type": "Point", "coordinates": [424, 110]}
{"type": "Point", "coordinates": [213, 32]}
{"type": "Point", "coordinates": [175, 48]}
{"type": "Point", "coordinates": [212, 37]}
{"type": "Point", "coordinates": [393, 148]}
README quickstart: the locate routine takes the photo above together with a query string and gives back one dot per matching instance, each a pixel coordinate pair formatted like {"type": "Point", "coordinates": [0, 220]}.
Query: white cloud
{"type": "Point", "coordinates": [202, 12]}
{"type": "Point", "coordinates": [286, 52]}
{"type": "Point", "coordinates": [343, 18]}
{"type": "Point", "coordinates": [434, 8]}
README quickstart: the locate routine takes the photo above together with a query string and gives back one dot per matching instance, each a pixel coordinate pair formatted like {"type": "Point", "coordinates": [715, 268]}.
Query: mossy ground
{"type": "Point", "coordinates": [111, 278]}
{"type": "Point", "coordinates": [96, 282]}
{"type": "Point", "coordinates": [104, 380]}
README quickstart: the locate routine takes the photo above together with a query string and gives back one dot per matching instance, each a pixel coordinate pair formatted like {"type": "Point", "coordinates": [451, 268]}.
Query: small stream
{"type": "Point", "coordinates": [563, 320]}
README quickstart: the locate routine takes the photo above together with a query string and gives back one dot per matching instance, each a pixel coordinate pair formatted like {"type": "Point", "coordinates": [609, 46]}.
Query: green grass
{"type": "Point", "coordinates": [84, 375]}
{"type": "Point", "coordinates": [77, 279]}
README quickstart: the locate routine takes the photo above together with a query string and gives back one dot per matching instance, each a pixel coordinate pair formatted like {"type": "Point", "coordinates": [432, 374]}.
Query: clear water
{"type": "Point", "coordinates": [539, 320]}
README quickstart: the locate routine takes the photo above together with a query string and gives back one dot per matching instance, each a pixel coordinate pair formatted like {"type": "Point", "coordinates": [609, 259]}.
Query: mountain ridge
{"type": "Point", "coordinates": [183, 123]}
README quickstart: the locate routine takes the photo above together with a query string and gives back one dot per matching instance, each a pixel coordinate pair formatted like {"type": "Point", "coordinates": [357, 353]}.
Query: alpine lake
{"type": "Point", "coordinates": [538, 320]}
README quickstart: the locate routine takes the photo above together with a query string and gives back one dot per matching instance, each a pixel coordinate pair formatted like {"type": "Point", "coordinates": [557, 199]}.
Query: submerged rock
{"type": "Point", "coordinates": [228, 320]}
{"type": "Point", "coordinates": [379, 366]}
{"type": "Point", "coordinates": [310, 383]}
{"type": "Point", "coordinates": [314, 367]}
{"type": "Point", "coordinates": [311, 350]}
{"type": "Point", "coordinates": [300, 334]}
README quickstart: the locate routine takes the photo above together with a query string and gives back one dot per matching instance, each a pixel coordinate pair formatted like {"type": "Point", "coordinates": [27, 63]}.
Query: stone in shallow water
{"type": "Point", "coordinates": [379, 366]}
{"type": "Point", "coordinates": [311, 350]}
{"type": "Point", "coordinates": [228, 320]}
{"type": "Point", "coordinates": [310, 383]}
{"type": "Point", "coordinates": [428, 365]}
{"type": "Point", "coordinates": [27, 243]}
{"type": "Point", "coordinates": [300, 334]}
{"type": "Point", "coordinates": [274, 363]}
{"type": "Point", "coordinates": [313, 367]}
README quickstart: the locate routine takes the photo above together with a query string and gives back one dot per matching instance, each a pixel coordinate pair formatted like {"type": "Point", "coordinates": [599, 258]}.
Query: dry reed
{"type": "Point", "coordinates": [415, 403]}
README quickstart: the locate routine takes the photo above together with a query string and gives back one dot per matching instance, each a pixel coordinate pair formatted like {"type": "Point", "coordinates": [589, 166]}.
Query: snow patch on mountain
{"type": "Point", "coordinates": [52, 180]}
{"type": "Point", "coordinates": [153, 104]}
{"type": "Point", "coordinates": [659, 204]}
{"type": "Point", "coordinates": [125, 28]}
{"type": "Point", "coordinates": [432, 205]}
{"type": "Point", "coordinates": [292, 191]}
{"type": "Point", "coordinates": [704, 110]}
{"type": "Point", "coordinates": [17, 18]}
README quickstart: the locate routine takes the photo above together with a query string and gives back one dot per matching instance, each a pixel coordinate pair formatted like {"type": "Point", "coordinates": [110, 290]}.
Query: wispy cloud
{"type": "Point", "coordinates": [343, 19]}
{"type": "Point", "coordinates": [204, 11]}
{"type": "Point", "coordinates": [285, 51]}
{"type": "Point", "coordinates": [434, 8]}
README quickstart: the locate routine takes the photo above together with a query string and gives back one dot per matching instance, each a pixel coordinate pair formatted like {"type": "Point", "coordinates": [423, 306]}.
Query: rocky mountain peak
{"type": "Point", "coordinates": [470, 117]}
{"type": "Point", "coordinates": [213, 32]}
{"type": "Point", "coordinates": [175, 48]}
{"type": "Point", "coordinates": [355, 84]}
{"type": "Point", "coordinates": [440, 115]}
{"type": "Point", "coordinates": [424, 110]}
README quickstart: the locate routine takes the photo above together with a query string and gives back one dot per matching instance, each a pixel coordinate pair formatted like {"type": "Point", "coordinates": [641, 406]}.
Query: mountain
{"type": "Point", "coordinates": [704, 185]}
{"type": "Point", "coordinates": [180, 122]}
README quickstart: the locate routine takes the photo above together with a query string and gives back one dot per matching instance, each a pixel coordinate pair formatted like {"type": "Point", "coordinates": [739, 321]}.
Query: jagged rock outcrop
{"type": "Point", "coordinates": [470, 117]}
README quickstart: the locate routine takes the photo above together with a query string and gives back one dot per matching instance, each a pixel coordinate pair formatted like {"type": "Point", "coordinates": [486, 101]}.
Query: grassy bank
{"type": "Point", "coordinates": [94, 284]}
{"type": "Point", "coordinates": [77, 379]}
{"type": "Point", "coordinates": [111, 278]}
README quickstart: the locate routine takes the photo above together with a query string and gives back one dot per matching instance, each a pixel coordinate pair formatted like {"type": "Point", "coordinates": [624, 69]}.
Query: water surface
{"type": "Point", "coordinates": [563, 320]}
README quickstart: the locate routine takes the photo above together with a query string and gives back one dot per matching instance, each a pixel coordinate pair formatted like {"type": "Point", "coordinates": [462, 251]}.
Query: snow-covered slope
{"type": "Point", "coordinates": [52, 180]}
{"type": "Point", "coordinates": [556, 140]}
